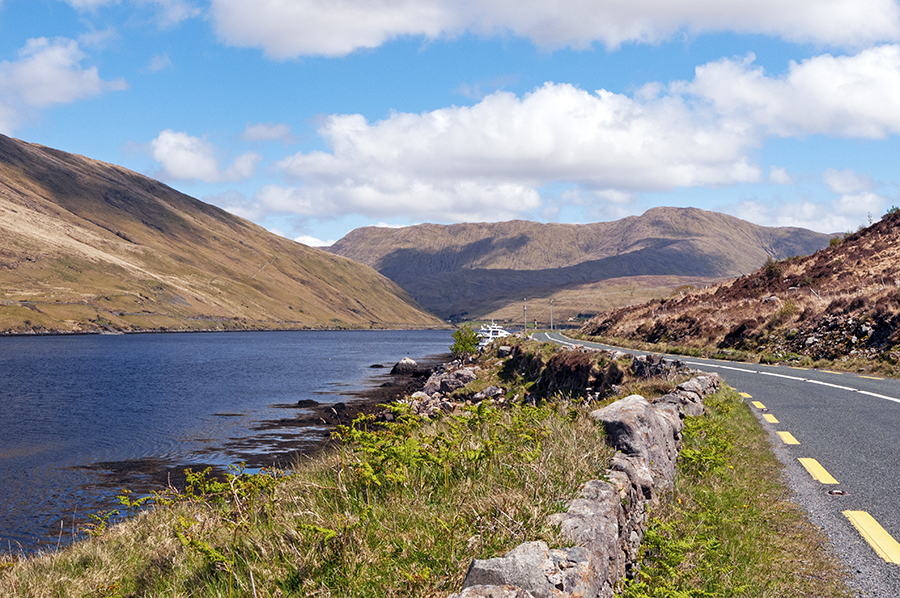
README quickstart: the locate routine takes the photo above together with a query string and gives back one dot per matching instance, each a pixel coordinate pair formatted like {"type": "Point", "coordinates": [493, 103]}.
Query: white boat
{"type": "Point", "coordinates": [490, 333]}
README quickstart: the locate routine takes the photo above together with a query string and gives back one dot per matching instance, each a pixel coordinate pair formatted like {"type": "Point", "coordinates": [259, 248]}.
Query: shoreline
{"type": "Point", "coordinates": [34, 333]}
{"type": "Point", "coordinates": [297, 431]}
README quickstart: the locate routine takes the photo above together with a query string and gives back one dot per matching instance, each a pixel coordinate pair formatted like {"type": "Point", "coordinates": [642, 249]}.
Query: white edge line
{"type": "Point", "coordinates": [878, 396]}
{"type": "Point", "coordinates": [724, 367]}
{"type": "Point", "coordinates": [784, 376]}
{"type": "Point", "coordinates": [828, 384]}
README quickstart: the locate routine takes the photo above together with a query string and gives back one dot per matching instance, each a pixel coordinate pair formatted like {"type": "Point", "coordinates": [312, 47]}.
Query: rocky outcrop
{"type": "Point", "coordinates": [606, 522]}
{"type": "Point", "coordinates": [655, 366]}
{"type": "Point", "coordinates": [409, 367]}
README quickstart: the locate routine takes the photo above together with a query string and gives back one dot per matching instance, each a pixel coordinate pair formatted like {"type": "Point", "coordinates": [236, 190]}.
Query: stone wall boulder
{"type": "Point", "coordinates": [636, 429]}
{"type": "Point", "coordinates": [540, 570]}
{"type": "Point", "coordinates": [606, 522]}
{"type": "Point", "coordinates": [655, 366]}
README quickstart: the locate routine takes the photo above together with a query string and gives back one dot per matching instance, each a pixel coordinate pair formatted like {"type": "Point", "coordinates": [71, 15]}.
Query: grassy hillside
{"type": "Point", "coordinates": [473, 270]}
{"type": "Point", "coordinates": [89, 246]}
{"type": "Point", "coordinates": [843, 302]}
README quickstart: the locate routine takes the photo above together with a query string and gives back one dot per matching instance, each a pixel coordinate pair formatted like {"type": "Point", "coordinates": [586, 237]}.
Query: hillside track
{"type": "Point", "coordinates": [838, 436]}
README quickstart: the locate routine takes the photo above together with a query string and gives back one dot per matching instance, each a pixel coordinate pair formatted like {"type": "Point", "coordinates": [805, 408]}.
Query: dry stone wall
{"type": "Point", "coordinates": [606, 522]}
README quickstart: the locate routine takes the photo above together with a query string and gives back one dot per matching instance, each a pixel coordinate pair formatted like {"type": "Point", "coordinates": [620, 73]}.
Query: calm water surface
{"type": "Point", "coordinates": [74, 410]}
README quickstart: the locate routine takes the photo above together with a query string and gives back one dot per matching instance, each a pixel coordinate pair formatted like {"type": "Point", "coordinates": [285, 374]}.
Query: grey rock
{"type": "Point", "coordinates": [458, 379]}
{"type": "Point", "coordinates": [505, 591]}
{"type": "Point", "coordinates": [543, 572]}
{"type": "Point", "coordinates": [488, 393]}
{"type": "Point", "coordinates": [504, 351]}
{"type": "Point", "coordinates": [654, 366]}
{"type": "Point", "coordinates": [405, 366]}
{"type": "Point", "coordinates": [636, 429]}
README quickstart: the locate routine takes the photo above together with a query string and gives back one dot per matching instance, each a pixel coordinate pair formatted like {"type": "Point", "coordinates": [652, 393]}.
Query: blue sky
{"type": "Point", "coordinates": [315, 117]}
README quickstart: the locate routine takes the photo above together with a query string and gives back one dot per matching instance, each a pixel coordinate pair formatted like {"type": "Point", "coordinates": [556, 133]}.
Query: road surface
{"type": "Point", "coordinates": [838, 436]}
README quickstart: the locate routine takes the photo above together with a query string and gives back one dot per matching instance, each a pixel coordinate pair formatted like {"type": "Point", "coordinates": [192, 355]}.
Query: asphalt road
{"type": "Point", "coordinates": [850, 425]}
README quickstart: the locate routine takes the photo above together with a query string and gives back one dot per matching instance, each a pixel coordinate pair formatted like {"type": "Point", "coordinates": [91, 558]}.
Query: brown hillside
{"type": "Point", "coordinates": [89, 246]}
{"type": "Point", "coordinates": [841, 302]}
{"type": "Point", "coordinates": [473, 270]}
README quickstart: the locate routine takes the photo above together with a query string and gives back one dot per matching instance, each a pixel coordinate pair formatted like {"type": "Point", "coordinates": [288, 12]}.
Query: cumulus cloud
{"type": "Point", "coordinates": [843, 214]}
{"type": "Point", "coordinates": [46, 73]}
{"type": "Point", "coordinates": [847, 96]}
{"type": "Point", "coordinates": [268, 132]}
{"type": "Point", "coordinates": [490, 161]}
{"type": "Point", "coordinates": [313, 241]}
{"type": "Point", "coordinates": [780, 176]}
{"type": "Point", "coordinates": [187, 158]}
{"type": "Point", "coordinates": [487, 161]}
{"type": "Point", "coordinates": [323, 27]}
{"type": "Point", "coordinates": [847, 181]}
{"type": "Point", "coordinates": [172, 12]}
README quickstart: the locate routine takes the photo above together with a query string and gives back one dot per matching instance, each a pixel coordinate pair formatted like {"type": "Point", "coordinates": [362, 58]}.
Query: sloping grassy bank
{"type": "Point", "coordinates": [882, 367]}
{"type": "Point", "coordinates": [399, 507]}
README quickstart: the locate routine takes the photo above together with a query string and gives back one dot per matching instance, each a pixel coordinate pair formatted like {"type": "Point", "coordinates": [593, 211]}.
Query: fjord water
{"type": "Point", "coordinates": [70, 405]}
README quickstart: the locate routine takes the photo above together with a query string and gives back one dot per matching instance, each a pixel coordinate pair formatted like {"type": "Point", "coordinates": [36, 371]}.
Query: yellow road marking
{"type": "Point", "coordinates": [745, 395]}
{"type": "Point", "coordinates": [832, 372]}
{"type": "Point", "coordinates": [872, 377]}
{"type": "Point", "coordinates": [770, 418]}
{"type": "Point", "coordinates": [758, 405]}
{"type": "Point", "coordinates": [886, 546]}
{"type": "Point", "coordinates": [788, 438]}
{"type": "Point", "coordinates": [817, 471]}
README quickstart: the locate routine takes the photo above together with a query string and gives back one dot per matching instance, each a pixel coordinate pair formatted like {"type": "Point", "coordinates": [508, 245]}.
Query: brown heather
{"type": "Point", "coordinates": [841, 304]}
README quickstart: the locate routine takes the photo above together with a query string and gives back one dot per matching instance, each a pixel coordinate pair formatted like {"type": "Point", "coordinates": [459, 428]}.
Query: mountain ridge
{"type": "Point", "coordinates": [450, 269]}
{"type": "Point", "coordinates": [88, 246]}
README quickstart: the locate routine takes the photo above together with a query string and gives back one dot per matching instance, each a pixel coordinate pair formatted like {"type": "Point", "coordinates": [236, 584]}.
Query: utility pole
{"type": "Point", "coordinates": [525, 313]}
{"type": "Point", "coordinates": [551, 315]}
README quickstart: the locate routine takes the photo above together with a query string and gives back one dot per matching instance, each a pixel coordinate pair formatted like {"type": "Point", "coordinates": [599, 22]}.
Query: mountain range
{"type": "Point", "coordinates": [483, 271]}
{"type": "Point", "coordinates": [87, 246]}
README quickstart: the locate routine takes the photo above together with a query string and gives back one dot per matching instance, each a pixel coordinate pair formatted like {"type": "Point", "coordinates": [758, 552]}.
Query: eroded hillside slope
{"type": "Point", "coordinates": [89, 246]}
{"type": "Point", "coordinates": [839, 303]}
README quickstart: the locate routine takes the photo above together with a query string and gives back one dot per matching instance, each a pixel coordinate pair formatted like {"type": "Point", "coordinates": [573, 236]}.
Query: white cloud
{"type": "Point", "coordinates": [324, 27]}
{"type": "Point", "coordinates": [780, 176]}
{"type": "Point", "coordinates": [47, 72]}
{"type": "Point", "coordinates": [848, 96]}
{"type": "Point", "coordinates": [268, 132]}
{"type": "Point", "coordinates": [494, 160]}
{"type": "Point", "coordinates": [187, 158]}
{"type": "Point", "coordinates": [172, 12]}
{"type": "Point", "coordinates": [847, 181]}
{"type": "Point", "coordinates": [158, 63]}
{"type": "Point", "coordinates": [487, 161]}
{"type": "Point", "coordinates": [169, 12]}
{"type": "Point", "coordinates": [313, 241]}
{"type": "Point", "coordinates": [843, 214]}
